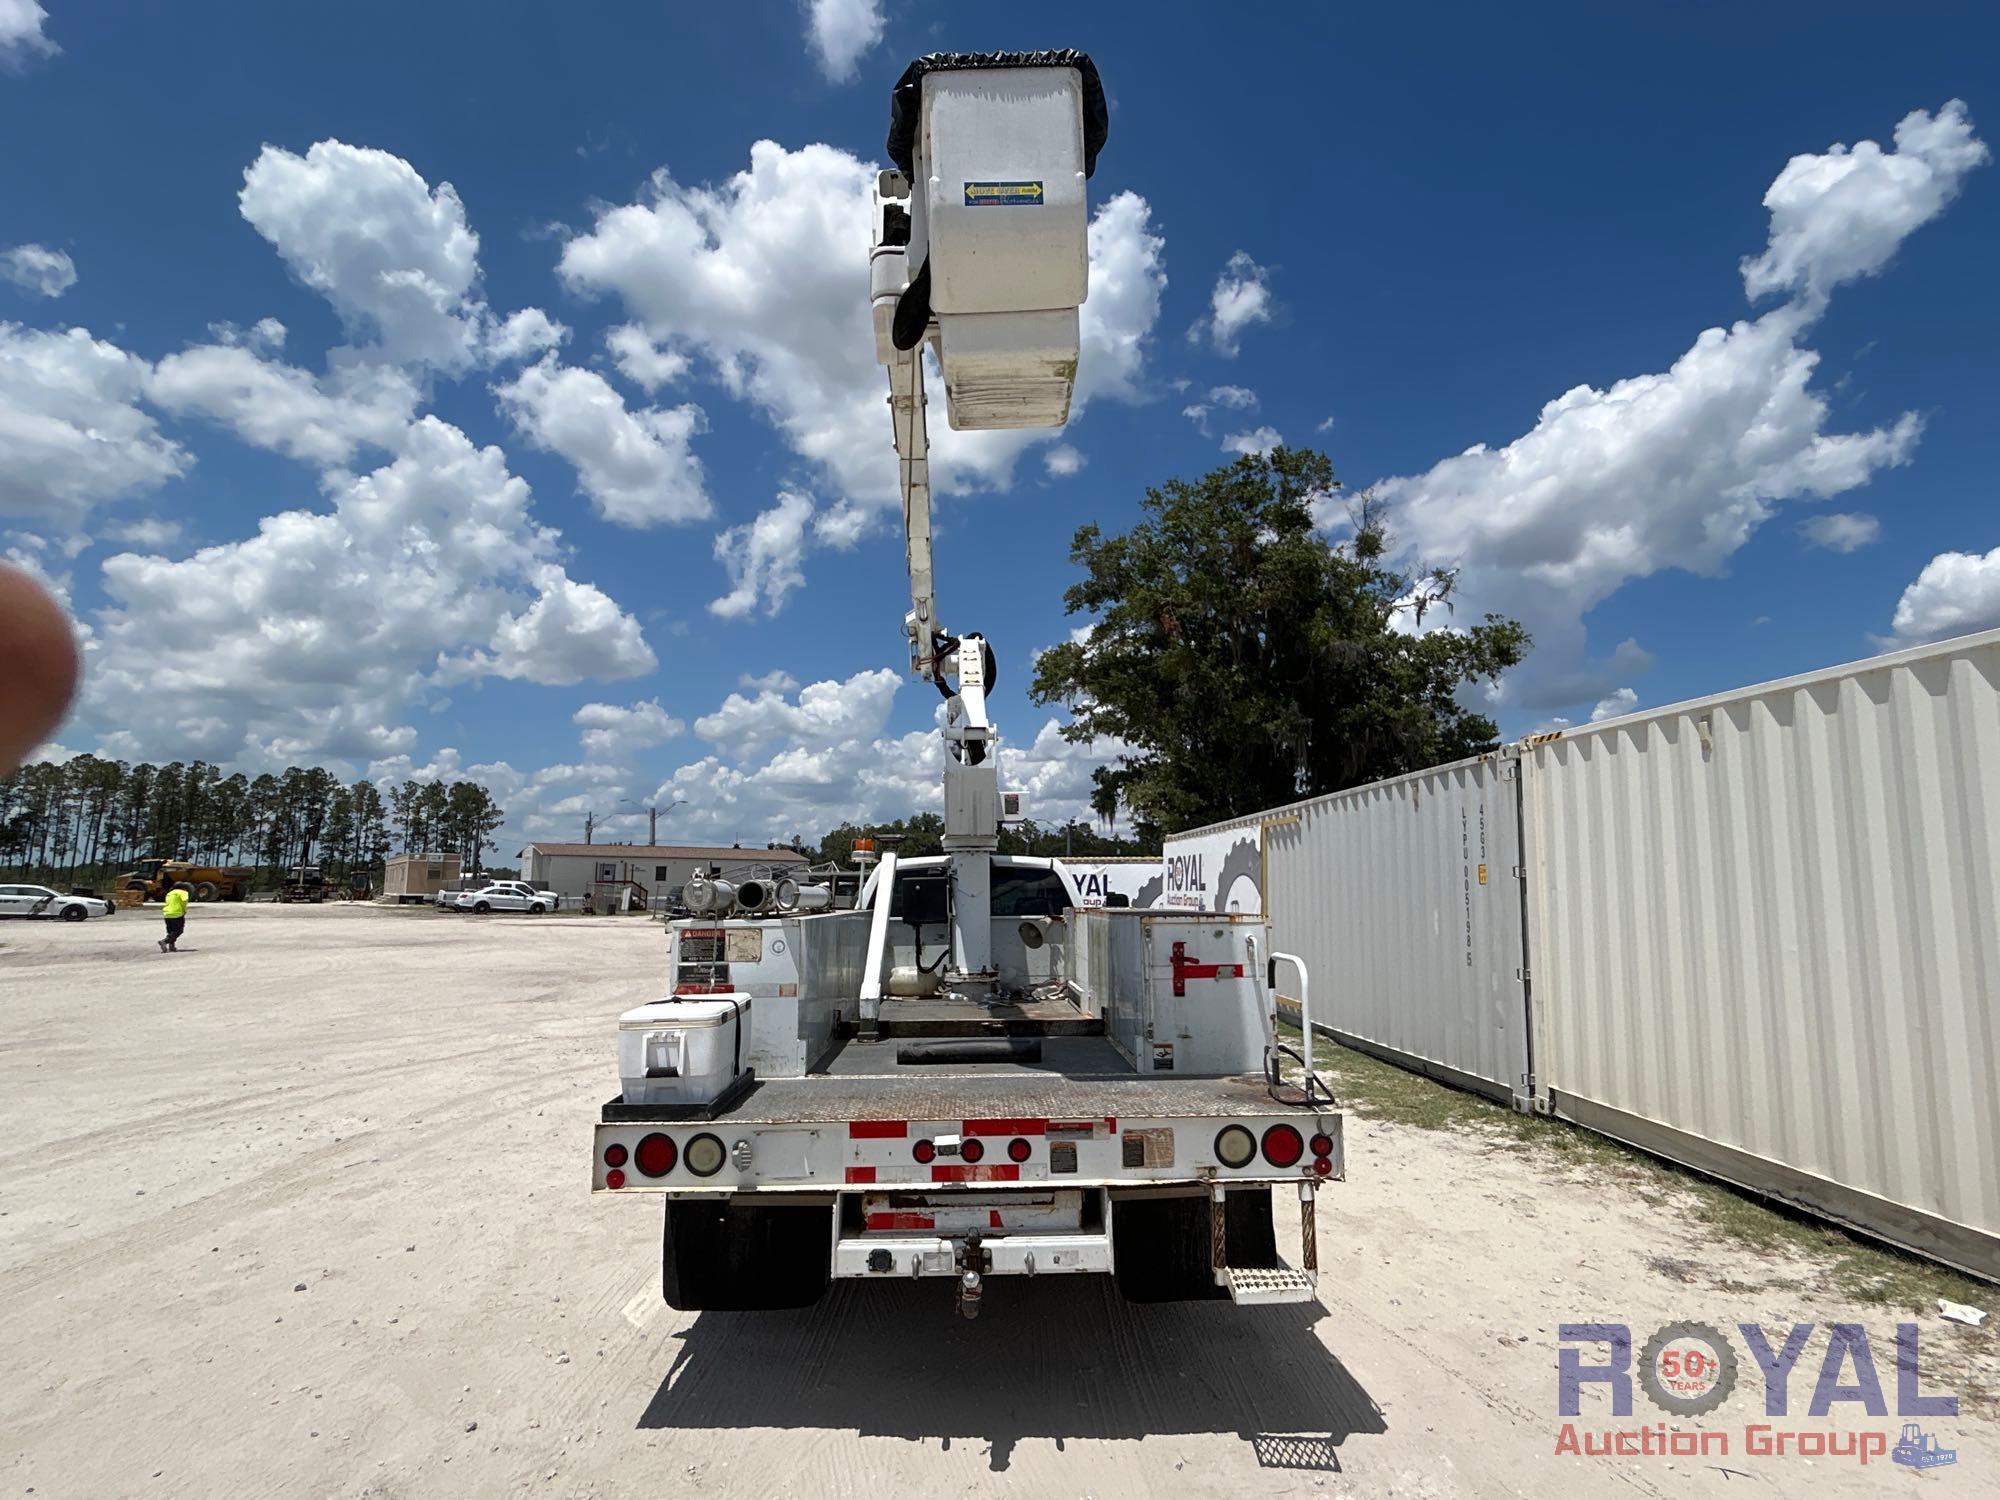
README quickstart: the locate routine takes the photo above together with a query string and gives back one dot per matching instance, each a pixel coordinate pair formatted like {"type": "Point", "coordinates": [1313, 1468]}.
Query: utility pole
{"type": "Point", "coordinates": [652, 816]}
{"type": "Point", "coordinates": [589, 825]}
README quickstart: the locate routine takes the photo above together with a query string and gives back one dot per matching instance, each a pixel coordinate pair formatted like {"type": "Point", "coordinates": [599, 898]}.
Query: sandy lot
{"type": "Point", "coordinates": [303, 1210]}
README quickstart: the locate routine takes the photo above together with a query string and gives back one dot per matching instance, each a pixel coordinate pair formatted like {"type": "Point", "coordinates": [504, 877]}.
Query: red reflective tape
{"type": "Point", "coordinates": [1007, 1173]}
{"type": "Point", "coordinates": [1006, 1127]}
{"type": "Point", "coordinates": [993, 1214]}
{"type": "Point", "coordinates": [901, 1221]}
{"type": "Point", "coordinates": [1111, 1124]}
{"type": "Point", "coordinates": [704, 989]}
{"type": "Point", "coordinates": [860, 1174]}
{"type": "Point", "coordinates": [877, 1130]}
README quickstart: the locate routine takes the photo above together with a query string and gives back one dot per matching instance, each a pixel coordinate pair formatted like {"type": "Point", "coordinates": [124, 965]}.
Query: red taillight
{"type": "Point", "coordinates": [1323, 1165]}
{"type": "Point", "coordinates": [1283, 1146]}
{"type": "Point", "coordinates": [655, 1155]}
{"type": "Point", "coordinates": [1019, 1150]}
{"type": "Point", "coordinates": [1322, 1145]}
{"type": "Point", "coordinates": [614, 1178]}
{"type": "Point", "coordinates": [971, 1150]}
{"type": "Point", "coordinates": [924, 1152]}
{"type": "Point", "coordinates": [614, 1155]}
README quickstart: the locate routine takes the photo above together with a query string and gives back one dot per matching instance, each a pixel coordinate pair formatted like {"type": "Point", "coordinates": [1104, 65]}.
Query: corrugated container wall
{"type": "Point", "coordinates": [1765, 931]}
{"type": "Point", "coordinates": [1403, 898]}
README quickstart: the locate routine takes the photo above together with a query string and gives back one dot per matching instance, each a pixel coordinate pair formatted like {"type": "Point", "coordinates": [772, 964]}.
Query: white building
{"type": "Point", "coordinates": [657, 870]}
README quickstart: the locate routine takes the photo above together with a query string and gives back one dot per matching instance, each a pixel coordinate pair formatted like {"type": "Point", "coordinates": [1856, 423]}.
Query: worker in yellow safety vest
{"type": "Point", "coordinates": [175, 909]}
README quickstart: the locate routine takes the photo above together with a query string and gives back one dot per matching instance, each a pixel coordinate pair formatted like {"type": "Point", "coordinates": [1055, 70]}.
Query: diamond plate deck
{"type": "Point", "coordinates": [1021, 1093]}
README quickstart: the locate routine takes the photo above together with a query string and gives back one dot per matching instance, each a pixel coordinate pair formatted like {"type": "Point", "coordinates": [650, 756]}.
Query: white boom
{"type": "Point", "coordinates": [979, 255]}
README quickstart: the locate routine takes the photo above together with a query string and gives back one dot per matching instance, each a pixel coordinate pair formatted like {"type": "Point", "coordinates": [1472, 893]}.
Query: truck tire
{"type": "Point", "coordinates": [721, 1257]}
{"type": "Point", "coordinates": [206, 891]}
{"type": "Point", "coordinates": [1162, 1244]}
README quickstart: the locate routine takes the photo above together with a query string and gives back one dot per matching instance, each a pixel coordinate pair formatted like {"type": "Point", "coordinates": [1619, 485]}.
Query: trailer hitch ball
{"type": "Point", "coordinates": [969, 1289]}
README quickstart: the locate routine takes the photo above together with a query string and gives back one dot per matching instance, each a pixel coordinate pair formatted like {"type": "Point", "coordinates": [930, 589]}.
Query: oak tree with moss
{"type": "Point", "coordinates": [1249, 658]}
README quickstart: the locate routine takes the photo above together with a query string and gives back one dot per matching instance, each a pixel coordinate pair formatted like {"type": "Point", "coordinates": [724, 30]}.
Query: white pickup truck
{"type": "Point", "coordinates": [1113, 1106]}
{"type": "Point", "coordinates": [506, 895]}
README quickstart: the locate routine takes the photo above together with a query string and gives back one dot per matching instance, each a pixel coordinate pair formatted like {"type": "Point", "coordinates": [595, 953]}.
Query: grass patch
{"type": "Point", "coordinates": [1846, 1264]}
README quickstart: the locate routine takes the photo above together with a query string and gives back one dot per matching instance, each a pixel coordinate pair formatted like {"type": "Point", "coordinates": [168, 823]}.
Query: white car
{"type": "Point", "coordinates": [40, 901]}
{"type": "Point", "coordinates": [506, 895]}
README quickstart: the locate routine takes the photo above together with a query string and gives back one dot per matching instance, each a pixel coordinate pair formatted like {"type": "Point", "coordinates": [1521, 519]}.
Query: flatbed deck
{"type": "Point", "coordinates": [1078, 1078]}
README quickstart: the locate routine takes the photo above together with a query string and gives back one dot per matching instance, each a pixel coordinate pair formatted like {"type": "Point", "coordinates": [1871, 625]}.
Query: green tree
{"type": "Point", "coordinates": [1247, 661]}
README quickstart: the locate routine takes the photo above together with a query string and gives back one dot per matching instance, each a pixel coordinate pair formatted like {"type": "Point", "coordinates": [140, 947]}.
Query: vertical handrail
{"type": "Point", "coordinates": [1305, 1016]}
{"type": "Point", "coordinates": [878, 938]}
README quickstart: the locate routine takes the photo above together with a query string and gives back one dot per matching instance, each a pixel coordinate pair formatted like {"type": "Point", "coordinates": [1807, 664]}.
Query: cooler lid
{"type": "Point", "coordinates": [686, 1015]}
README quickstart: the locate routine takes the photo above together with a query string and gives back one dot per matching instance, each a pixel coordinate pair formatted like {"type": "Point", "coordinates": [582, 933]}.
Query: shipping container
{"type": "Point", "coordinates": [1404, 897]}
{"type": "Point", "coordinates": [1765, 938]}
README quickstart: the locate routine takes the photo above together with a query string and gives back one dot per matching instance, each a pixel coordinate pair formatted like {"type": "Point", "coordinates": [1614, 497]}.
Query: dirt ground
{"type": "Point", "coordinates": [303, 1210]}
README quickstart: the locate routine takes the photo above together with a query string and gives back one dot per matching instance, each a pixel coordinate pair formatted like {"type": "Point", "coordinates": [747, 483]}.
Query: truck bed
{"type": "Point", "coordinates": [1078, 1078]}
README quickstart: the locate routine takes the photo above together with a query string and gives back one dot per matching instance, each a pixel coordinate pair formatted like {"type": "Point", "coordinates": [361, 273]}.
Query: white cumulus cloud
{"type": "Point", "coordinates": [762, 558]}
{"type": "Point", "coordinates": [1257, 440]}
{"type": "Point", "coordinates": [72, 433]}
{"type": "Point", "coordinates": [284, 408]}
{"type": "Point", "coordinates": [1841, 531]}
{"type": "Point", "coordinates": [643, 362]}
{"type": "Point", "coordinates": [1241, 300]}
{"type": "Point", "coordinates": [524, 335]}
{"type": "Point", "coordinates": [21, 33]}
{"type": "Point", "coordinates": [840, 31]}
{"type": "Point", "coordinates": [35, 268]}
{"type": "Point", "coordinates": [1955, 594]}
{"type": "Point", "coordinates": [1669, 470]}
{"type": "Point", "coordinates": [1062, 461]}
{"type": "Point", "coordinates": [1843, 214]}
{"type": "Point", "coordinates": [614, 732]}
{"type": "Point", "coordinates": [637, 466]}
{"type": "Point", "coordinates": [312, 636]}
{"type": "Point", "coordinates": [1619, 701]}
{"type": "Point", "coordinates": [751, 276]}
{"type": "Point", "coordinates": [395, 258]}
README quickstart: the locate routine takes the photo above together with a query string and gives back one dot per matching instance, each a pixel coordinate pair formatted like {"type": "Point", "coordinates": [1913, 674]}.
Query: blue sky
{"type": "Point", "coordinates": [667, 568]}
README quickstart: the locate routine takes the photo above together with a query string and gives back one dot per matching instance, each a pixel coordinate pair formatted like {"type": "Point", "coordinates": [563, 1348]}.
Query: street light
{"type": "Point", "coordinates": [653, 815]}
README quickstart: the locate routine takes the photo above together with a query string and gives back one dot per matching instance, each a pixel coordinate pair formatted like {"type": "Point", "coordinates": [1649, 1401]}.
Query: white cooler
{"type": "Point", "coordinates": [683, 1051]}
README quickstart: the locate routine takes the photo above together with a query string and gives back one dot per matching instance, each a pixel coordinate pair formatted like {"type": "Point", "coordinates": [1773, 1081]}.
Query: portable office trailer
{"type": "Point", "coordinates": [418, 876]}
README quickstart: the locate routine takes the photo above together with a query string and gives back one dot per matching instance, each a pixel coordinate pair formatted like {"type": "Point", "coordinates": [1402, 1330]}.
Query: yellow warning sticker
{"type": "Point", "coordinates": [996, 194]}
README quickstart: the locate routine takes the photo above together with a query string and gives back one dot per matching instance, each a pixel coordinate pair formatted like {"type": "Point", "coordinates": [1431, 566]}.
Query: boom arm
{"type": "Point", "coordinates": [913, 460]}
{"type": "Point", "coordinates": [989, 270]}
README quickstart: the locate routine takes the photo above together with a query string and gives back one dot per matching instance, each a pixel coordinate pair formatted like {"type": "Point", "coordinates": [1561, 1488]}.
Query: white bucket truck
{"type": "Point", "coordinates": [969, 1075]}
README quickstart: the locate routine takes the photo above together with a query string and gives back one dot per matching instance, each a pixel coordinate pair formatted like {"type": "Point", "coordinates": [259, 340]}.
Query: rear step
{"type": "Point", "coordinates": [1255, 1285]}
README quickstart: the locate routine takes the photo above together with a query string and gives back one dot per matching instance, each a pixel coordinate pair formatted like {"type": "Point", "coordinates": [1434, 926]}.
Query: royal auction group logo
{"type": "Point", "coordinates": [1688, 1369]}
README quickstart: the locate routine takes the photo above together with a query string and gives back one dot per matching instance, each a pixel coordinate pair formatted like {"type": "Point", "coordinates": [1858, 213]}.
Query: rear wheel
{"type": "Point", "coordinates": [721, 1257]}
{"type": "Point", "coordinates": [206, 891]}
{"type": "Point", "coordinates": [1162, 1244]}
{"type": "Point", "coordinates": [74, 914]}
